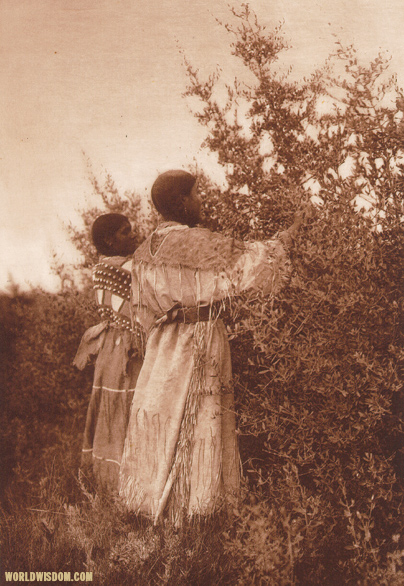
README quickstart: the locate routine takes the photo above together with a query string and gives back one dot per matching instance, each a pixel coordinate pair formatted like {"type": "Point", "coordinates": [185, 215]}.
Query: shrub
{"type": "Point", "coordinates": [41, 388]}
{"type": "Point", "coordinates": [318, 370]}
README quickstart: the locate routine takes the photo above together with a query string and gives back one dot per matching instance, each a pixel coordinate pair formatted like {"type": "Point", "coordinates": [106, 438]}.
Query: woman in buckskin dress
{"type": "Point", "coordinates": [118, 347]}
{"type": "Point", "coordinates": [181, 456]}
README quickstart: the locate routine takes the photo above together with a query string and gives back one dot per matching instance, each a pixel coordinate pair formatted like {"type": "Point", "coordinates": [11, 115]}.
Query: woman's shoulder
{"type": "Point", "coordinates": [113, 261]}
{"type": "Point", "coordinates": [111, 271]}
{"type": "Point", "coordinates": [196, 248]}
{"type": "Point", "coordinates": [112, 265]}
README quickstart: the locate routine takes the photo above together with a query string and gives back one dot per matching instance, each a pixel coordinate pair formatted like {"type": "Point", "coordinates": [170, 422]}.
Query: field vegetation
{"type": "Point", "coordinates": [318, 371]}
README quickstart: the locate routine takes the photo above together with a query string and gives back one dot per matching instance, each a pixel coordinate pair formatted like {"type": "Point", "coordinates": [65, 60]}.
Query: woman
{"type": "Point", "coordinates": [181, 455]}
{"type": "Point", "coordinates": [118, 347]}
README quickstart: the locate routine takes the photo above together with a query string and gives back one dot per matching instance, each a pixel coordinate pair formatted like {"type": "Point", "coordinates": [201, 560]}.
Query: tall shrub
{"type": "Point", "coordinates": [317, 370]}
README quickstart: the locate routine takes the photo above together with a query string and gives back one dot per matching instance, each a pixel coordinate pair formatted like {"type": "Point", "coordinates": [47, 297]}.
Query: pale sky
{"type": "Point", "coordinates": [105, 78]}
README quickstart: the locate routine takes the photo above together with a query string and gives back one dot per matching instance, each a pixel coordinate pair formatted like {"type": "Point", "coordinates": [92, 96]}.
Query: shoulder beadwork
{"type": "Point", "coordinates": [112, 287]}
{"type": "Point", "coordinates": [195, 248]}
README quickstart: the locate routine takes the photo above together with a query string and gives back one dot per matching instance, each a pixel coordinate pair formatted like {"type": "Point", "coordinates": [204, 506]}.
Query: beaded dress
{"type": "Point", "coordinates": [118, 347]}
{"type": "Point", "coordinates": [181, 455]}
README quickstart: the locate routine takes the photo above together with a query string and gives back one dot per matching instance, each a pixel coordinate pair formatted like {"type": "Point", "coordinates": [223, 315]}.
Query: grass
{"type": "Point", "coordinates": [52, 519]}
{"type": "Point", "coordinates": [290, 528]}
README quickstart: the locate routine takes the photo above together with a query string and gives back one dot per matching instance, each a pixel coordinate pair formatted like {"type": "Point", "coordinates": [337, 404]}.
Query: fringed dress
{"type": "Point", "coordinates": [118, 347]}
{"type": "Point", "coordinates": [181, 455]}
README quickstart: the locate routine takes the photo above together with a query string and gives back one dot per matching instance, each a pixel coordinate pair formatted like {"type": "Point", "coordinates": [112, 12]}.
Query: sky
{"type": "Point", "coordinates": [101, 82]}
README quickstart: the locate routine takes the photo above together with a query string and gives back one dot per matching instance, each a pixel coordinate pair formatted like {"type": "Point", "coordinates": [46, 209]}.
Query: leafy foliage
{"type": "Point", "coordinates": [318, 371]}
{"type": "Point", "coordinates": [40, 335]}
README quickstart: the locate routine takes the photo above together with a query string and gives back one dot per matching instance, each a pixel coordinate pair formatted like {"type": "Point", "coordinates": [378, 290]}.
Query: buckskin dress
{"type": "Point", "coordinates": [181, 455]}
{"type": "Point", "coordinates": [118, 347]}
